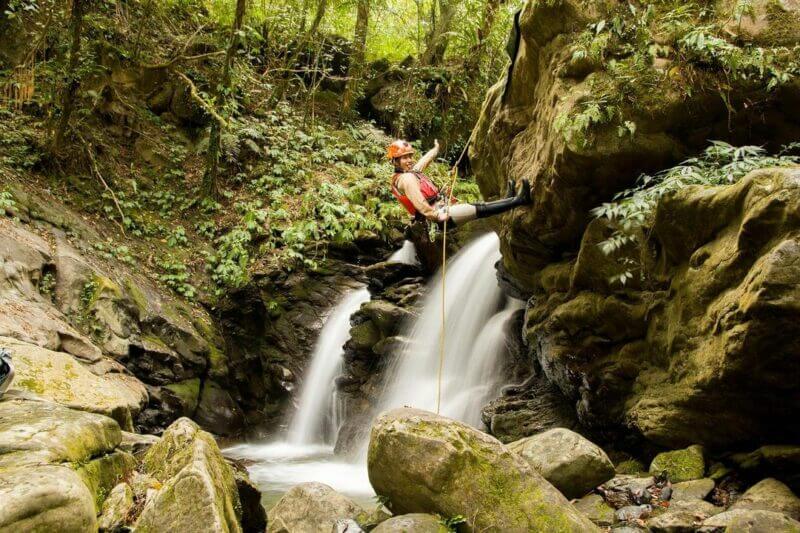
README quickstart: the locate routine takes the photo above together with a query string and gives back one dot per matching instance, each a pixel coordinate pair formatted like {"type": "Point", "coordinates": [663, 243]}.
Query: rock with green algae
{"type": "Point", "coordinates": [217, 411]}
{"type": "Point", "coordinates": [60, 377]}
{"type": "Point", "coordinates": [696, 489]}
{"type": "Point", "coordinates": [102, 474]}
{"type": "Point", "coordinates": [199, 490]}
{"type": "Point", "coordinates": [116, 508]}
{"type": "Point", "coordinates": [414, 522]}
{"type": "Point", "coordinates": [770, 495]}
{"type": "Point", "coordinates": [680, 465]}
{"type": "Point", "coordinates": [425, 463]}
{"type": "Point", "coordinates": [309, 508]}
{"type": "Point", "coordinates": [572, 463]}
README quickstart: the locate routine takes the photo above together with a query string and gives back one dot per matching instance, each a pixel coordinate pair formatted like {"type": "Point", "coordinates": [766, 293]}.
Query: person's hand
{"type": "Point", "coordinates": [442, 215]}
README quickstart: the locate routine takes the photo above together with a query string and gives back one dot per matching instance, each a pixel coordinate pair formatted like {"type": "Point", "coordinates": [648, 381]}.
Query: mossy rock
{"type": "Point", "coordinates": [425, 463]}
{"type": "Point", "coordinates": [102, 474]}
{"type": "Point", "coordinates": [188, 393]}
{"type": "Point", "coordinates": [680, 465]}
{"type": "Point", "coordinates": [199, 489]}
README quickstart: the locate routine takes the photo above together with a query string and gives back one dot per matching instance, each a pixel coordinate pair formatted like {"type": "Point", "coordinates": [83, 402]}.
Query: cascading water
{"type": "Point", "coordinates": [472, 374]}
{"type": "Point", "coordinates": [316, 420]}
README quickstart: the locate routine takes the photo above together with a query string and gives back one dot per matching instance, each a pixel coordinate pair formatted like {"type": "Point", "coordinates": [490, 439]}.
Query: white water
{"type": "Point", "coordinates": [316, 420]}
{"type": "Point", "coordinates": [472, 339]}
{"type": "Point", "coordinates": [472, 375]}
{"type": "Point", "coordinates": [406, 255]}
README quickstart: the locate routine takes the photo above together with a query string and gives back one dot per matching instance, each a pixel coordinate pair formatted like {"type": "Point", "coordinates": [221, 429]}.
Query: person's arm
{"type": "Point", "coordinates": [428, 158]}
{"type": "Point", "coordinates": [408, 184]}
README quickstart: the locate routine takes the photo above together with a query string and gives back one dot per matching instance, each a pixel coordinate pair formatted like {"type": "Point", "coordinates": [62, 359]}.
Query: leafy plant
{"type": "Point", "coordinates": [452, 523]}
{"type": "Point", "coordinates": [632, 210]}
{"type": "Point", "coordinates": [176, 276]}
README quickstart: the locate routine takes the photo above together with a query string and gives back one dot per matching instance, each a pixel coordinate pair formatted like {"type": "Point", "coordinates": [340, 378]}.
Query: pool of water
{"type": "Point", "coordinates": [279, 466]}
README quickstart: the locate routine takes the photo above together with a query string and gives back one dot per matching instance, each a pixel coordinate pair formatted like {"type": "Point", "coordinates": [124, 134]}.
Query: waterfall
{"type": "Point", "coordinates": [472, 374]}
{"type": "Point", "coordinates": [406, 255]}
{"type": "Point", "coordinates": [317, 418]}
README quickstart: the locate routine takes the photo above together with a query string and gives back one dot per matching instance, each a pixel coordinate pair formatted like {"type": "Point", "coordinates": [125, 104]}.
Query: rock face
{"type": "Point", "coordinates": [573, 464]}
{"type": "Point", "coordinates": [309, 508]}
{"type": "Point", "coordinates": [425, 463]}
{"type": "Point", "coordinates": [199, 490]}
{"type": "Point", "coordinates": [659, 356]}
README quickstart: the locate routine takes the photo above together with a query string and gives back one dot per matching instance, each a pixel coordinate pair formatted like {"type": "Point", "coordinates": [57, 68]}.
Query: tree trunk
{"type": "Point", "coordinates": [484, 30]}
{"type": "Point", "coordinates": [356, 69]}
{"type": "Point", "coordinates": [210, 185]}
{"type": "Point", "coordinates": [437, 38]}
{"type": "Point", "coordinates": [318, 16]}
{"type": "Point", "coordinates": [71, 90]}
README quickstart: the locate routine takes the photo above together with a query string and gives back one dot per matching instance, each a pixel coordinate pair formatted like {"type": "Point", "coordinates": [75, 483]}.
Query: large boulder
{"type": "Point", "coordinates": [572, 463]}
{"type": "Point", "coordinates": [425, 463]}
{"type": "Point", "coordinates": [199, 490]}
{"type": "Point", "coordinates": [750, 521]}
{"type": "Point", "coordinates": [770, 495]}
{"type": "Point", "coordinates": [678, 355]}
{"type": "Point", "coordinates": [309, 508]}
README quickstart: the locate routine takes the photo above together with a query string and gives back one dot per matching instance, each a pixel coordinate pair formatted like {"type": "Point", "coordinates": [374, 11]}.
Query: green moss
{"type": "Point", "coordinates": [138, 297]}
{"type": "Point", "coordinates": [631, 466]}
{"type": "Point", "coordinates": [188, 392]}
{"type": "Point", "coordinates": [104, 473]}
{"type": "Point", "coordinates": [680, 465]}
{"type": "Point", "coordinates": [31, 384]}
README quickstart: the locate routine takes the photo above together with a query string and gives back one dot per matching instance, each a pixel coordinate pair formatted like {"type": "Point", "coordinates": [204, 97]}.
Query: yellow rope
{"type": "Point", "coordinates": [454, 174]}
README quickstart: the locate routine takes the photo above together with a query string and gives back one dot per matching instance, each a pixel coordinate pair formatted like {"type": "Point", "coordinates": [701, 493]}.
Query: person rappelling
{"type": "Point", "coordinates": [423, 200]}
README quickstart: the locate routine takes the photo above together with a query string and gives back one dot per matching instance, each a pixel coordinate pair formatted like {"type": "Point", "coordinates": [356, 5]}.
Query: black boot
{"type": "Point", "coordinates": [489, 209]}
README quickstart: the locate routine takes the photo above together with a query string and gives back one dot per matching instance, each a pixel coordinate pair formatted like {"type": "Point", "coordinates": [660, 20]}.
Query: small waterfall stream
{"type": "Point", "coordinates": [316, 419]}
{"type": "Point", "coordinates": [472, 374]}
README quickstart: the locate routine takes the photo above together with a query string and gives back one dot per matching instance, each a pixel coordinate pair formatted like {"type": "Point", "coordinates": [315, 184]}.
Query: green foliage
{"type": "Point", "coordinates": [593, 112]}
{"type": "Point", "coordinates": [176, 276]}
{"type": "Point", "coordinates": [7, 202]}
{"type": "Point", "coordinates": [632, 210]}
{"type": "Point", "coordinates": [452, 523]}
{"type": "Point", "coordinates": [110, 251]}
{"type": "Point", "coordinates": [177, 237]}
{"type": "Point", "coordinates": [47, 285]}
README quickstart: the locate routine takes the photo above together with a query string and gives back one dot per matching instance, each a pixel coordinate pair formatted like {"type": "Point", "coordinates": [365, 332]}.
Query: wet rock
{"type": "Point", "coordinates": [596, 509]}
{"type": "Point", "coordinates": [416, 522]}
{"type": "Point", "coordinates": [424, 463]}
{"type": "Point", "coordinates": [631, 513]}
{"type": "Point", "coordinates": [572, 463]}
{"type": "Point", "coordinates": [254, 516]}
{"type": "Point", "coordinates": [217, 412]}
{"type": "Point", "coordinates": [199, 490]}
{"type": "Point", "coordinates": [310, 508]}
{"type": "Point", "coordinates": [749, 520]}
{"type": "Point", "coordinates": [680, 465]}
{"type": "Point", "coordinates": [625, 490]}
{"type": "Point", "coordinates": [692, 490]}
{"type": "Point", "coordinates": [116, 508]}
{"type": "Point", "coordinates": [770, 495]}
{"type": "Point", "coordinates": [536, 407]}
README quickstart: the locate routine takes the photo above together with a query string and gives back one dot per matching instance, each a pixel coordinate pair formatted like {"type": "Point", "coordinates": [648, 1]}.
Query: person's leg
{"type": "Point", "coordinates": [461, 213]}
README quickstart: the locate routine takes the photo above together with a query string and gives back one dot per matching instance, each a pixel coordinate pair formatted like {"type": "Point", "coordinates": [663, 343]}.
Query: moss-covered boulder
{"type": "Point", "coordinates": [310, 507]}
{"type": "Point", "coordinates": [680, 465]}
{"type": "Point", "coordinates": [750, 521]}
{"type": "Point", "coordinates": [425, 463]}
{"type": "Point", "coordinates": [60, 377]}
{"type": "Point", "coordinates": [770, 495]}
{"type": "Point", "coordinates": [572, 463]}
{"type": "Point", "coordinates": [416, 522]}
{"type": "Point", "coordinates": [199, 490]}
{"type": "Point", "coordinates": [116, 508]}
{"type": "Point", "coordinates": [596, 509]}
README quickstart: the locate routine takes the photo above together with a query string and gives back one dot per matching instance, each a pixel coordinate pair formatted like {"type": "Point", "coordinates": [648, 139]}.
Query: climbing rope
{"type": "Point", "coordinates": [454, 176]}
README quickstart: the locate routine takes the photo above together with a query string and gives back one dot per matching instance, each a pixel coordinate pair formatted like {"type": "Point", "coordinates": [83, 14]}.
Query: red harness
{"type": "Point", "coordinates": [426, 186]}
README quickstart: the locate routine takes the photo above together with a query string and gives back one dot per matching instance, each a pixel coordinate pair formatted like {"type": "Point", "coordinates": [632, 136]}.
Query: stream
{"type": "Point", "coordinates": [472, 375]}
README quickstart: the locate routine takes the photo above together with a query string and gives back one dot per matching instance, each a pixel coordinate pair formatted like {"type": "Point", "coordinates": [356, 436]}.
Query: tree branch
{"type": "Point", "coordinates": [196, 97]}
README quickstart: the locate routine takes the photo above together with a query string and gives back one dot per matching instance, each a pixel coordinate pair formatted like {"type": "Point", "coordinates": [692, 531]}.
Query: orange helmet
{"type": "Point", "coordinates": [399, 148]}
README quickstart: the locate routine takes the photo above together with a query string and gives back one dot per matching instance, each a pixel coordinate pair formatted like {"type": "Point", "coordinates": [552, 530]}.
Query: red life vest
{"type": "Point", "coordinates": [426, 186]}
